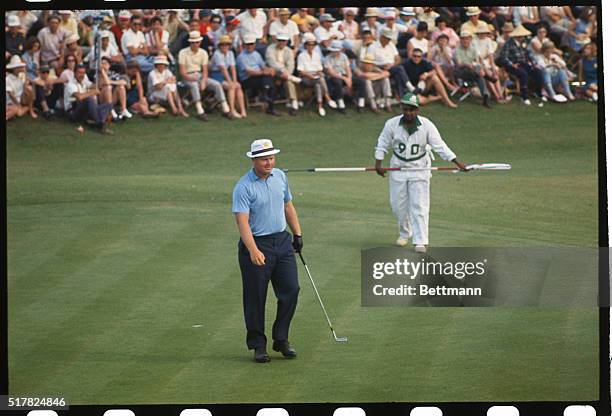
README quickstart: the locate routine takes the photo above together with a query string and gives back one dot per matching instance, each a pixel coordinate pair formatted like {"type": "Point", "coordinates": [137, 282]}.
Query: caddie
{"type": "Point", "coordinates": [262, 204]}
{"type": "Point", "coordinates": [410, 138]}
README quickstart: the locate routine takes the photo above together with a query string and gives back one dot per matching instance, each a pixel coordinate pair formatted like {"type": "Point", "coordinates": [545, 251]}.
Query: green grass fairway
{"type": "Point", "coordinates": [118, 246]}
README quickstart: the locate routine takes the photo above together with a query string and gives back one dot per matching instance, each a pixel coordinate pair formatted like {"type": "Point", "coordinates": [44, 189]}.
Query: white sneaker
{"type": "Point", "coordinates": [420, 248]}
{"type": "Point", "coordinates": [322, 112]}
{"type": "Point", "coordinates": [126, 114]}
{"type": "Point", "coordinates": [341, 104]}
{"type": "Point", "coordinates": [295, 105]}
{"type": "Point", "coordinates": [114, 113]}
{"type": "Point", "coordinates": [295, 79]}
{"type": "Point", "coordinates": [594, 97]}
{"type": "Point", "coordinates": [361, 102]}
{"type": "Point", "coordinates": [526, 101]}
{"type": "Point", "coordinates": [401, 242]}
{"type": "Point", "coordinates": [332, 104]}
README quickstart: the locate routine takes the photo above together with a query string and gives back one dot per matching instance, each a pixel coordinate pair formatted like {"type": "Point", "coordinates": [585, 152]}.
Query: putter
{"type": "Point", "coordinates": [336, 337]}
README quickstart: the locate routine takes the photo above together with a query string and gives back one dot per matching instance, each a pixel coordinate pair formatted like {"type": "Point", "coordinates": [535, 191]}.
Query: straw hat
{"type": "Point", "coordinates": [371, 12]}
{"type": "Point", "coordinates": [284, 12]}
{"type": "Point", "coordinates": [261, 148]}
{"type": "Point", "coordinates": [195, 36]}
{"type": "Point", "coordinates": [368, 59]}
{"type": "Point", "coordinates": [508, 27]}
{"type": "Point", "coordinates": [520, 31]}
{"type": "Point", "coordinates": [161, 60]}
{"type": "Point", "coordinates": [465, 34]}
{"type": "Point", "coordinates": [472, 11]}
{"type": "Point", "coordinates": [482, 29]}
{"type": "Point", "coordinates": [225, 39]}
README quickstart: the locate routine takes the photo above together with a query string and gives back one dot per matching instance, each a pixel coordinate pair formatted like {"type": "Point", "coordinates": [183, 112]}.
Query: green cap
{"type": "Point", "coordinates": [410, 99]}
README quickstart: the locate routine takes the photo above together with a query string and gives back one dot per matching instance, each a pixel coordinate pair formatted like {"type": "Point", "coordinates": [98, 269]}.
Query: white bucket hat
{"type": "Point", "coordinates": [15, 62]}
{"type": "Point", "coordinates": [194, 36]}
{"type": "Point", "coordinates": [161, 60]}
{"type": "Point", "coordinates": [13, 21]}
{"type": "Point", "coordinates": [261, 148]}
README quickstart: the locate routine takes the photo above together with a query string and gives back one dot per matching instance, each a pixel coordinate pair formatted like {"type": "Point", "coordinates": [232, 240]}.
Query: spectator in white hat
{"type": "Point", "coordinates": [283, 25]}
{"type": "Point", "coordinates": [68, 23]}
{"type": "Point", "coordinates": [339, 74]}
{"type": "Point", "coordinates": [376, 84]}
{"type": "Point", "coordinates": [408, 22]}
{"type": "Point", "coordinates": [223, 69]}
{"type": "Point", "coordinates": [326, 32]}
{"type": "Point", "coordinates": [52, 43]}
{"type": "Point", "coordinates": [14, 40]}
{"type": "Point", "coordinates": [19, 95]}
{"type": "Point", "coordinates": [473, 22]}
{"type": "Point", "coordinates": [72, 47]}
{"type": "Point", "coordinates": [310, 68]}
{"type": "Point", "coordinates": [371, 17]}
{"type": "Point", "coordinates": [162, 87]}
{"type": "Point", "coordinates": [348, 26]}
{"type": "Point", "coordinates": [282, 59]}
{"type": "Point", "coordinates": [387, 57]}
{"type": "Point", "coordinates": [193, 68]}
{"type": "Point", "coordinates": [485, 46]}
{"type": "Point", "coordinates": [390, 18]}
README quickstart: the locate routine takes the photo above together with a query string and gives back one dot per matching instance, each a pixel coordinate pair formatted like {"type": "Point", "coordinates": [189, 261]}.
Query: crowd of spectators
{"type": "Point", "coordinates": [102, 66]}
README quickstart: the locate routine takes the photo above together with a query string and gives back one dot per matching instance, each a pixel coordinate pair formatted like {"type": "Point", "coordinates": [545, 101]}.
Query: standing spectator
{"type": "Point", "coordinates": [157, 38]}
{"type": "Point", "coordinates": [310, 68]}
{"type": "Point", "coordinates": [193, 67]}
{"type": "Point", "coordinates": [339, 74]}
{"type": "Point", "coordinates": [374, 83]}
{"type": "Point", "coordinates": [81, 102]}
{"type": "Point", "coordinates": [515, 59]}
{"type": "Point", "coordinates": [588, 70]}
{"type": "Point", "coordinates": [473, 22]}
{"type": "Point", "coordinates": [286, 27]}
{"type": "Point", "coordinates": [555, 75]}
{"type": "Point", "coordinates": [162, 87]}
{"type": "Point", "coordinates": [113, 89]}
{"type": "Point", "coordinates": [282, 59]}
{"type": "Point", "coordinates": [122, 26]}
{"type": "Point", "coordinates": [52, 43]}
{"type": "Point", "coordinates": [443, 28]}
{"type": "Point", "coordinates": [469, 67]}
{"type": "Point", "coordinates": [14, 40]}
{"type": "Point", "coordinates": [306, 22]}
{"type": "Point", "coordinates": [136, 100]}
{"type": "Point", "coordinates": [254, 75]}
{"type": "Point", "coordinates": [223, 69]}
{"type": "Point", "coordinates": [47, 93]}
{"type": "Point", "coordinates": [134, 45]}
{"type": "Point", "coordinates": [424, 81]}
{"type": "Point", "coordinates": [19, 95]}
{"type": "Point", "coordinates": [31, 57]}
{"type": "Point", "coordinates": [68, 23]}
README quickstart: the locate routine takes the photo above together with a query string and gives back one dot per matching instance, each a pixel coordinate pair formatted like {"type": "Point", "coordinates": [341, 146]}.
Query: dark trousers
{"type": "Point", "coordinates": [523, 73]}
{"type": "Point", "coordinates": [335, 87]}
{"type": "Point", "coordinates": [261, 84]}
{"type": "Point", "coordinates": [281, 269]}
{"type": "Point", "coordinates": [470, 75]}
{"type": "Point", "coordinates": [51, 99]}
{"type": "Point", "coordinates": [90, 109]}
{"type": "Point", "coordinates": [399, 78]}
{"type": "Point", "coordinates": [359, 86]}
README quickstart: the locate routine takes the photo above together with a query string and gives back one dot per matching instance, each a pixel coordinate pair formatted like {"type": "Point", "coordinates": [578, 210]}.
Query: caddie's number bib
{"type": "Point", "coordinates": [414, 149]}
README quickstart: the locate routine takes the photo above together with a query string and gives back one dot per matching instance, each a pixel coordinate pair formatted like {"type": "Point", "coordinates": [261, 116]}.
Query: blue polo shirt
{"type": "Point", "coordinates": [264, 200]}
{"type": "Point", "coordinates": [246, 61]}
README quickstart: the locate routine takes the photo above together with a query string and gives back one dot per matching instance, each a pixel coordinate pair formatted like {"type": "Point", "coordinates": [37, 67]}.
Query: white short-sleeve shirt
{"type": "Point", "coordinates": [290, 29]}
{"type": "Point", "coordinates": [309, 63]}
{"type": "Point", "coordinates": [131, 39]}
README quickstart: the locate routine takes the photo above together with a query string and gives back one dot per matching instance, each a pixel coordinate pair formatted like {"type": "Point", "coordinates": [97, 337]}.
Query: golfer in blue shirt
{"type": "Point", "coordinates": [262, 205]}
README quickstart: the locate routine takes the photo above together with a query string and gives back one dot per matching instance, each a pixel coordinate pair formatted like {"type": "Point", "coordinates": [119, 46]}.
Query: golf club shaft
{"type": "Point", "coordinates": [317, 293]}
{"type": "Point", "coordinates": [483, 166]}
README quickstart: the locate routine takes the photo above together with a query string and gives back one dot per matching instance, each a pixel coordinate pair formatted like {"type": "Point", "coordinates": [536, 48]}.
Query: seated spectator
{"type": "Point", "coordinates": [326, 33]}
{"type": "Point", "coordinates": [19, 95]}
{"type": "Point", "coordinates": [310, 69]}
{"type": "Point", "coordinates": [443, 28]}
{"type": "Point", "coordinates": [586, 25]}
{"type": "Point", "coordinates": [419, 40]}
{"type": "Point", "coordinates": [424, 81]}
{"type": "Point", "coordinates": [122, 26]}
{"type": "Point", "coordinates": [409, 22]}
{"type": "Point", "coordinates": [211, 38]}
{"type": "Point", "coordinates": [182, 40]}
{"type": "Point", "coordinates": [73, 48]}
{"type": "Point", "coordinates": [174, 24]}
{"type": "Point", "coordinates": [223, 69]}
{"type": "Point", "coordinates": [113, 89]}
{"type": "Point", "coordinates": [193, 67]}
{"type": "Point", "coordinates": [561, 22]}
{"type": "Point", "coordinates": [429, 16]}
{"type": "Point", "coordinates": [157, 38]}
{"type": "Point", "coordinates": [507, 28]}
{"type": "Point", "coordinates": [349, 28]}
{"type": "Point", "coordinates": [231, 29]}
{"type": "Point", "coordinates": [337, 67]}
{"type": "Point", "coordinates": [441, 54]}
{"type": "Point", "coordinates": [254, 75]}
{"type": "Point", "coordinates": [371, 17]}
{"type": "Point", "coordinates": [485, 46]}
{"type": "Point", "coordinates": [528, 16]}
{"type": "Point", "coordinates": [286, 27]}
{"type": "Point", "coordinates": [14, 40]}
{"type": "Point", "coordinates": [469, 67]}
{"type": "Point", "coordinates": [134, 45]}
{"type": "Point", "coordinates": [473, 14]}
{"type": "Point", "coordinates": [536, 42]}
{"type": "Point", "coordinates": [282, 59]}
{"type": "Point", "coordinates": [306, 22]}
{"type": "Point", "coordinates": [253, 22]}
{"type": "Point", "coordinates": [47, 93]}
{"type": "Point", "coordinates": [27, 20]}
{"type": "Point", "coordinates": [588, 70]}
{"type": "Point", "coordinates": [81, 102]}
{"type": "Point", "coordinates": [136, 100]}
{"type": "Point", "coordinates": [555, 75]}
{"type": "Point", "coordinates": [390, 18]}
{"type": "Point", "coordinates": [387, 57]}
{"type": "Point", "coordinates": [374, 84]}
{"type": "Point", "coordinates": [31, 57]}
{"type": "Point", "coordinates": [515, 59]}
{"type": "Point", "coordinates": [68, 22]}
{"type": "Point", "coordinates": [51, 43]}
{"type": "Point", "coordinates": [107, 50]}
{"type": "Point", "coordinates": [162, 89]}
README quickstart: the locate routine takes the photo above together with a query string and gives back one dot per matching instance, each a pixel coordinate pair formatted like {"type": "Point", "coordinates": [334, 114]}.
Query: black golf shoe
{"type": "Point", "coordinates": [261, 355]}
{"type": "Point", "coordinates": [284, 348]}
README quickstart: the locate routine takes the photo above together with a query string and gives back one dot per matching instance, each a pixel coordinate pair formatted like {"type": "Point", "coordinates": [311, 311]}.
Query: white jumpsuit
{"type": "Point", "coordinates": [409, 191]}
